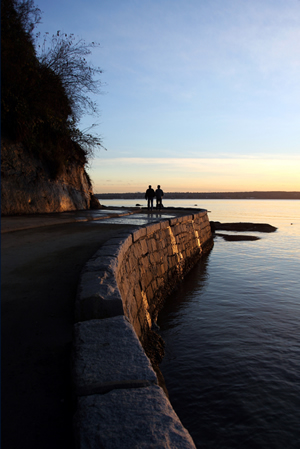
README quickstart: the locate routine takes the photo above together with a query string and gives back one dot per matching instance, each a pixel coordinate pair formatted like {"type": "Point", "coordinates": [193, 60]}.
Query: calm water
{"type": "Point", "coordinates": [232, 335]}
{"type": "Point", "coordinates": [232, 363]}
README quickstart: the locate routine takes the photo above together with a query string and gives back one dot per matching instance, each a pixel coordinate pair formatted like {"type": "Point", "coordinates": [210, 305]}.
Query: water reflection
{"type": "Point", "coordinates": [232, 359]}
{"type": "Point", "coordinates": [175, 304]}
{"type": "Point", "coordinates": [136, 219]}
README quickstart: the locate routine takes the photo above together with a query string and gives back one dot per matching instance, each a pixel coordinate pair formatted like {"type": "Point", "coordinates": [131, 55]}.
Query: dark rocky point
{"type": "Point", "coordinates": [237, 238]}
{"type": "Point", "coordinates": [241, 227]}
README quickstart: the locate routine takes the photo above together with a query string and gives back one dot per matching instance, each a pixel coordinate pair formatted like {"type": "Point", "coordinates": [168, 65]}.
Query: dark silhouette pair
{"type": "Point", "coordinates": [158, 194]}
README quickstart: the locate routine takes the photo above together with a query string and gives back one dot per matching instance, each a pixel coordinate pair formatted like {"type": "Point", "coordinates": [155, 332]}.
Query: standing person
{"type": "Point", "coordinates": [159, 194]}
{"type": "Point", "coordinates": [149, 195]}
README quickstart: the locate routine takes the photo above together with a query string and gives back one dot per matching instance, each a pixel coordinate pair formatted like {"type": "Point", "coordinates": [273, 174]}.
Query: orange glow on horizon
{"type": "Point", "coordinates": [196, 175]}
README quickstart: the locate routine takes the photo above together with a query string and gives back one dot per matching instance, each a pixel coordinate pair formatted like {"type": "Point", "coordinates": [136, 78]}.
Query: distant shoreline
{"type": "Point", "coordinates": [198, 195]}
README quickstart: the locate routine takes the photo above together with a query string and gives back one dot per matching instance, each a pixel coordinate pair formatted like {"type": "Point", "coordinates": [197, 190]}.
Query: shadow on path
{"type": "Point", "coordinates": [40, 271]}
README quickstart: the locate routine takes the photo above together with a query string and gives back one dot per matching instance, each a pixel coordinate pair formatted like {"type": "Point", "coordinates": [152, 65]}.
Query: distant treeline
{"type": "Point", "coordinates": [198, 195]}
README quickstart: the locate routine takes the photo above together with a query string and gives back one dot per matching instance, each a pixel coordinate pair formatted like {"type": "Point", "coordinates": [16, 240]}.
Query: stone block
{"type": "Point", "coordinates": [173, 261]}
{"type": "Point", "coordinates": [158, 235]}
{"type": "Point", "coordinates": [197, 227]}
{"type": "Point", "coordinates": [139, 233]}
{"type": "Point", "coordinates": [151, 244]}
{"type": "Point", "coordinates": [160, 282]}
{"type": "Point", "coordinates": [133, 277]}
{"type": "Point", "coordinates": [175, 229]}
{"type": "Point", "coordinates": [146, 279]}
{"type": "Point", "coordinates": [158, 257]}
{"type": "Point", "coordinates": [166, 241]}
{"type": "Point", "coordinates": [187, 218]}
{"type": "Point", "coordinates": [144, 263]}
{"type": "Point", "coordinates": [144, 246]}
{"type": "Point", "coordinates": [102, 263]}
{"type": "Point", "coordinates": [164, 224]}
{"type": "Point", "coordinates": [182, 219]}
{"type": "Point", "coordinates": [142, 317]}
{"type": "Point", "coordinates": [130, 262]}
{"type": "Point", "coordinates": [154, 227]}
{"type": "Point", "coordinates": [138, 294]}
{"type": "Point", "coordinates": [154, 286]}
{"type": "Point", "coordinates": [152, 258]}
{"type": "Point", "coordinates": [170, 250]}
{"type": "Point", "coordinates": [106, 355]}
{"type": "Point", "coordinates": [131, 308]}
{"type": "Point", "coordinates": [122, 240]}
{"type": "Point", "coordinates": [137, 250]}
{"type": "Point", "coordinates": [98, 296]}
{"type": "Point", "coordinates": [116, 247]}
{"type": "Point", "coordinates": [189, 227]}
{"type": "Point", "coordinates": [137, 326]}
{"type": "Point", "coordinates": [200, 215]}
{"type": "Point", "coordinates": [149, 292]}
{"type": "Point", "coordinates": [174, 221]}
{"type": "Point", "coordinates": [183, 254]}
{"type": "Point", "coordinates": [124, 287]}
{"type": "Point", "coordinates": [97, 283]}
{"type": "Point", "coordinates": [166, 232]}
{"type": "Point", "coordinates": [188, 253]}
{"type": "Point", "coordinates": [155, 258]}
{"type": "Point", "coordinates": [160, 245]}
{"type": "Point", "coordinates": [111, 250]}
{"type": "Point", "coordinates": [162, 268]}
{"type": "Point", "coordinates": [129, 419]}
{"type": "Point", "coordinates": [177, 238]}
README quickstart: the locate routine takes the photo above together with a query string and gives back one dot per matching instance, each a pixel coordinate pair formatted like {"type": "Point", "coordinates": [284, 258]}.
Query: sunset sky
{"type": "Point", "coordinates": [198, 95]}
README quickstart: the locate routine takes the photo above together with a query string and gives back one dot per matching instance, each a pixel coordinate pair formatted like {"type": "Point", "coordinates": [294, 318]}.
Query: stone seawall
{"type": "Point", "coordinates": [122, 288]}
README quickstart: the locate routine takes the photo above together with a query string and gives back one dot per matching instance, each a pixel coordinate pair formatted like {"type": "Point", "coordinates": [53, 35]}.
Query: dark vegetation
{"type": "Point", "coordinates": [43, 96]}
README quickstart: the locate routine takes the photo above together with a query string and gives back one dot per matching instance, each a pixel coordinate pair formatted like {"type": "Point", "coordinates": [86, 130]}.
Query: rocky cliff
{"type": "Point", "coordinates": [27, 186]}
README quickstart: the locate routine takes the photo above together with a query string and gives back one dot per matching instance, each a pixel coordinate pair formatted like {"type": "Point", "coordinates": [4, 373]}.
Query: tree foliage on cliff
{"type": "Point", "coordinates": [66, 56]}
{"type": "Point", "coordinates": [40, 101]}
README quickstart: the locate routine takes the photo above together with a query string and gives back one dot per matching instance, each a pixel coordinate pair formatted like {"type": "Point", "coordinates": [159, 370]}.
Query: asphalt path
{"type": "Point", "coordinates": [40, 269]}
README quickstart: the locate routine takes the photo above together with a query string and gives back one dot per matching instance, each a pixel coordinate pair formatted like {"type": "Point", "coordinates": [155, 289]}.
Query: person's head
{"type": "Point", "coordinates": [149, 187]}
{"type": "Point", "coordinates": [158, 187]}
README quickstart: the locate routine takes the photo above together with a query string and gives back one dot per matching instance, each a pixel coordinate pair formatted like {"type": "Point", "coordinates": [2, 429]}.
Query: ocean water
{"type": "Point", "coordinates": [232, 333]}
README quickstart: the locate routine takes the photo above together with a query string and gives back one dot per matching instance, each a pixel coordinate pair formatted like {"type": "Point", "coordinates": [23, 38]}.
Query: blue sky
{"type": "Point", "coordinates": [197, 95]}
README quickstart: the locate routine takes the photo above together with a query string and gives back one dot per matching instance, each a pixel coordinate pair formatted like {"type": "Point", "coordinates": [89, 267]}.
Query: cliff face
{"type": "Point", "coordinates": [27, 188]}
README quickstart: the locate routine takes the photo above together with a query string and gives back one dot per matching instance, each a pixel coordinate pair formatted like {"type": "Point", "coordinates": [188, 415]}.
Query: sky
{"type": "Point", "coordinates": [197, 95]}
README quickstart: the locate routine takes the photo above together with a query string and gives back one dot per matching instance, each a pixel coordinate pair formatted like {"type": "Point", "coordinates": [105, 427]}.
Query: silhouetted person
{"type": "Point", "coordinates": [150, 194]}
{"type": "Point", "coordinates": [159, 194]}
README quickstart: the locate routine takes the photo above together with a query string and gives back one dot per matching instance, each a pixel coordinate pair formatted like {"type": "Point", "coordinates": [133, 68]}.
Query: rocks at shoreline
{"type": "Point", "coordinates": [241, 227]}
{"type": "Point", "coordinates": [236, 238]}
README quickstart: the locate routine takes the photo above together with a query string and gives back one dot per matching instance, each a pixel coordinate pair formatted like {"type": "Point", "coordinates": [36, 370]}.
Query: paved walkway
{"type": "Point", "coordinates": [42, 256]}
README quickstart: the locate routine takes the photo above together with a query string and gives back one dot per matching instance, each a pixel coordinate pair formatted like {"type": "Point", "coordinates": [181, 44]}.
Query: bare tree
{"type": "Point", "coordinates": [66, 56]}
{"type": "Point", "coordinates": [29, 14]}
{"type": "Point", "coordinates": [85, 139]}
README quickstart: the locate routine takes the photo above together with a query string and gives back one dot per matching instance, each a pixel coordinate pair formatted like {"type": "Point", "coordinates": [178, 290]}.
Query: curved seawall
{"type": "Point", "coordinates": [122, 288]}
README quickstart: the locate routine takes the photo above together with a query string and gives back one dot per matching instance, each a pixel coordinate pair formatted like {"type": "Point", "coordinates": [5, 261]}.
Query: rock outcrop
{"type": "Point", "coordinates": [241, 227]}
{"type": "Point", "coordinates": [237, 238]}
{"type": "Point", "coordinates": [27, 187]}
